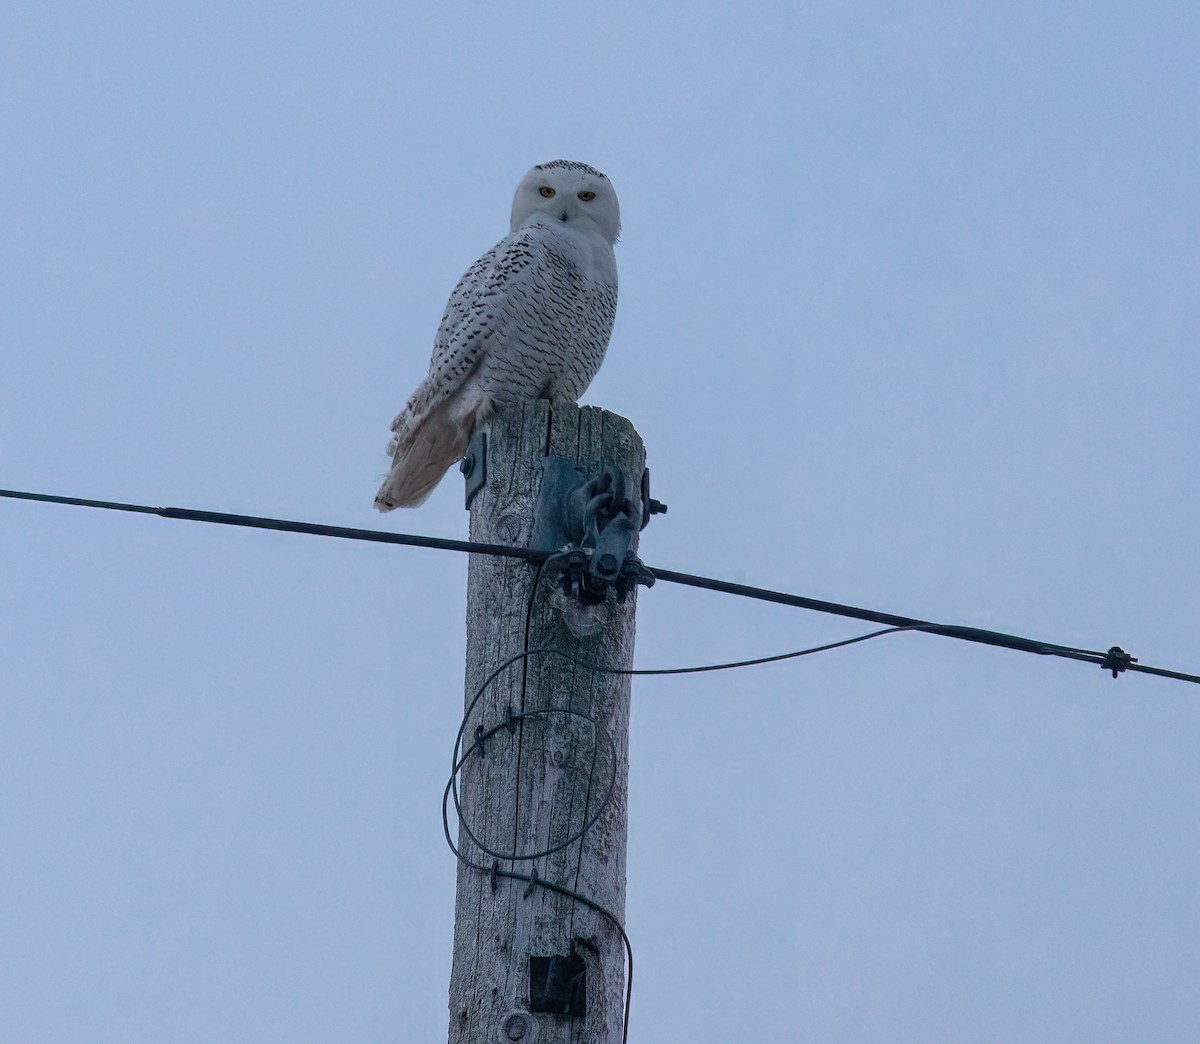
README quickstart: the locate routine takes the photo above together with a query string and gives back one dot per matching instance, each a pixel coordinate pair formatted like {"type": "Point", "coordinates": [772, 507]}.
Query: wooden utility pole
{"type": "Point", "coordinates": [543, 778]}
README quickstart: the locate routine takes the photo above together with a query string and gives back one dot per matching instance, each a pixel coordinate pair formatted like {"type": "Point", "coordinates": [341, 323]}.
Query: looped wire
{"type": "Point", "coordinates": [532, 879]}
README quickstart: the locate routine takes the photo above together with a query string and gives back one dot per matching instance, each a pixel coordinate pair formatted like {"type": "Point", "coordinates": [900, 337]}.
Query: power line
{"type": "Point", "coordinates": [283, 525]}
{"type": "Point", "coordinates": [1115, 659]}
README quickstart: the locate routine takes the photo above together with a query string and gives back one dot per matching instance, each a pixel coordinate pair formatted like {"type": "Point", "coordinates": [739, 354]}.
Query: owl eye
{"type": "Point", "coordinates": [587, 196]}
{"type": "Point", "coordinates": [546, 191]}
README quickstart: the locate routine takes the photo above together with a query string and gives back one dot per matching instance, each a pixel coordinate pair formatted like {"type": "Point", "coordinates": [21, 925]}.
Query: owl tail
{"type": "Point", "coordinates": [422, 456]}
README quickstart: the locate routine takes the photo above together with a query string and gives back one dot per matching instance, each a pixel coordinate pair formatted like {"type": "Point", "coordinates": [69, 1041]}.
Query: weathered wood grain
{"type": "Point", "coordinates": [535, 788]}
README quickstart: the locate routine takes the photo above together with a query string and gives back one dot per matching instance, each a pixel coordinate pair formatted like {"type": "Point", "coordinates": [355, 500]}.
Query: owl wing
{"type": "Point", "coordinates": [480, 308]}
{"type": "Point", "coordinates": [433, 429]}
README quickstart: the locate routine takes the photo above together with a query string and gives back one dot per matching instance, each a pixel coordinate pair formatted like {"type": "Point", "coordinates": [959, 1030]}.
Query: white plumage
{"type": "Point", "coordinates": [529, 320]}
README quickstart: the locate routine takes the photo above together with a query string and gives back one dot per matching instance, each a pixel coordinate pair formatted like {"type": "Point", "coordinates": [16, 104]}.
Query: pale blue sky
{"type": "Point", "coordinates": [908, 319]}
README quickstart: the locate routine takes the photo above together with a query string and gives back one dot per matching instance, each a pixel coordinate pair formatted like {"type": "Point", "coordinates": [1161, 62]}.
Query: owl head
{"type": "Point", "coordinates": [570, 192]}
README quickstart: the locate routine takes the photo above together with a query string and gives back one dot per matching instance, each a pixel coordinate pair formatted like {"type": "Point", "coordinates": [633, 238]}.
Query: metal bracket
{"type": "Point", "coordinates": [558, 985]}
{"type": "Point", "coordinates": [593, 522]}
{"type": "Point", "coordinates": [650, 506]}
{"type": "Point", "coordinates": [589, 524]}
{"type": "Point", "coordinates": [474, 466]}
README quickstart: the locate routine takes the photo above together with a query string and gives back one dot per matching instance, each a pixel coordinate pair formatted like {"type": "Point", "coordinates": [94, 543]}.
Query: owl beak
{"type": "Point", "coordinates": [562, 216]}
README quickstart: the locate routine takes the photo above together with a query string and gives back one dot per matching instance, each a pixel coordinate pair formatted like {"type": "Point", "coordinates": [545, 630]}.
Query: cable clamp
{"type": "Point", "coordinates": [1117, 660]}
{"type": "Point", "coordinates": [533, 880]}
{"type": "Point", "coordinates": [495, 874]}
{"type": "Point", "coordinates": [591, 525]}
{"type": "Point", "coordinates": [479, 738]}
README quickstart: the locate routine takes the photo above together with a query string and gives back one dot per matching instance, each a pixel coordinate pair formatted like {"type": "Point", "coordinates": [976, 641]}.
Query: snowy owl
{"type": "Point", "coordinates": [529, 320]}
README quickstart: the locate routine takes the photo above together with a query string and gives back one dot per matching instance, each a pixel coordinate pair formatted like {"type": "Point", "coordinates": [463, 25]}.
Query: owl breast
{"type": "Point", "coordinates": [550, 326]}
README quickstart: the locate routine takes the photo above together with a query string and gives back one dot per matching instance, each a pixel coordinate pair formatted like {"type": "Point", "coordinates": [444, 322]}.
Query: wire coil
{"type": "Point", "coordinates": [461, 755]}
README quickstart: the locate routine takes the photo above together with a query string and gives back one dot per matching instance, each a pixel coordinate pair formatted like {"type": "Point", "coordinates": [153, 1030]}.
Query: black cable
{"type": "Point", "coordinates": [483, 735]}
{"type": "Point", "coordinates": [533, 879]}
{"type": "Point", "coordinates": [510, 721]}
{"type": "Point", "coordinates": [284, 525]}
{"type": "Point", "coordinates": [1114, 659]}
